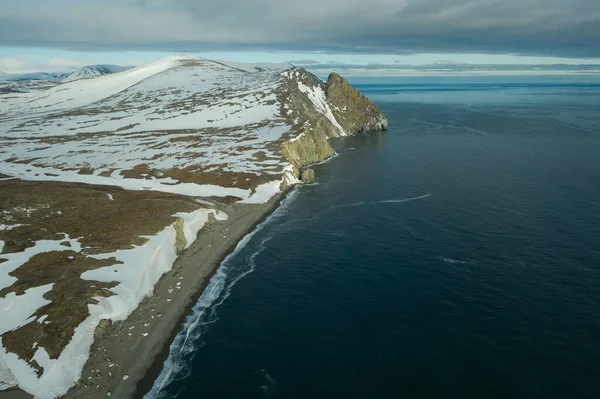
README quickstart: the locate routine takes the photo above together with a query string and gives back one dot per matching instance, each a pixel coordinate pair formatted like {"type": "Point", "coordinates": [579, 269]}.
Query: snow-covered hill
{"type": "Point", "coordinates": [86, 72]}
{"type": "Point", "coordinates": [47, 76]}
{"type": "Point", "coordinates": [105, 180]}
{"type": "Point", "coordinates": [93, 71]}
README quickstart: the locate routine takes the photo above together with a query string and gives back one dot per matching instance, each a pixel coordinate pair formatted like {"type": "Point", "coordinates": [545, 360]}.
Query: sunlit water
{"type": "Point", "coordinates": [455, 256]}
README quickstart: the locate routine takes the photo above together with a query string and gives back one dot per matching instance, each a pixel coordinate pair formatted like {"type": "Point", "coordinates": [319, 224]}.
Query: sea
{"type": "Point", "coordinates": [456, 255]}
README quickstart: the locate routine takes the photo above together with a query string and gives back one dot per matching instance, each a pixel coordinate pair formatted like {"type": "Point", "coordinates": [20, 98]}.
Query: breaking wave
{"type": "Point", "coordinates": [204, 313]}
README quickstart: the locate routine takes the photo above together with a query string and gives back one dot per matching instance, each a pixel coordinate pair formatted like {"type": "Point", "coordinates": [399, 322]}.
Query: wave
{"type": "Point", "coordinates": [400, 201]}
{"type": "Point", "coordinates": [268, 384]}
{"type": "Point", "coordinates": [390, 201]}
{"type": "Point", "coordinates": [204, 313]}
{"type": "Point", "coordinates": [455, 261]}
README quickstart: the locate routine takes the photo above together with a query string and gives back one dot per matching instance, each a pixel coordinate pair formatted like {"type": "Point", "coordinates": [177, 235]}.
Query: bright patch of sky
{"type": "Point", "coordinates": [14, 60]}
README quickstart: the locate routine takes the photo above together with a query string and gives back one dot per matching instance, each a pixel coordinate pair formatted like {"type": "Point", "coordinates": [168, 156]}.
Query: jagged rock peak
{"type": "Point", "coordinates": [355, 112]}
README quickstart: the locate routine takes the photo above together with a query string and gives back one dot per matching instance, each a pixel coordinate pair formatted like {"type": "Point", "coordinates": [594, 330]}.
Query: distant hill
{"type": "Point", "coordinates": [49, 76]}
{"type": "Point", "coordinates": [93, 71]}
{"type": "Point", "coordinates": [90, 71]}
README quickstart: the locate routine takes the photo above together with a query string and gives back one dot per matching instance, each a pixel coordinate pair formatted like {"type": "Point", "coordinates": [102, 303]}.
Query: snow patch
{"type": "Point", "coordinates": [164, 185]}
{"type": "Point", "coordinates": [289, 177]}
{"type": "Point", "coordinates": [294, 139]}
{"type": "Point", "coordinates": [17, 259]}
{"type": "Point", "coordinates": [141, 269]}
{"type": "Point", "coordinates": [263, 193]}
{"type": "Point", "coordinates": [317, 97]}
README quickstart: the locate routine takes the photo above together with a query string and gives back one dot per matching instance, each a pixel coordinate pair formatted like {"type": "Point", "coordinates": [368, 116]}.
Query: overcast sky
{"type": "Point", "coordinates": [66, 33]}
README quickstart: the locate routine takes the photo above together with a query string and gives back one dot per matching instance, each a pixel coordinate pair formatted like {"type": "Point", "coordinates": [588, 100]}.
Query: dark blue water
{"type": "Point", "coordinates": [455, 256]}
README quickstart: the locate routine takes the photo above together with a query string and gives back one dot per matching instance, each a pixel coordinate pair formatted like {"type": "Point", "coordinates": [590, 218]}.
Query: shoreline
{"type": "Point", "coordinates": [146, 383]}
{"type": "Point", "coordinates": [128, 356]}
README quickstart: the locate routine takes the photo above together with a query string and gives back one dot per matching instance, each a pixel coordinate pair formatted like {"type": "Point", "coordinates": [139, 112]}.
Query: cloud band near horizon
{"type": "Point", "coordinates": [562, 28]}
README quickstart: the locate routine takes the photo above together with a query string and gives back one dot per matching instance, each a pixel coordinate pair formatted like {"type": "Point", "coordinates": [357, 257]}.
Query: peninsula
{"type": "Point", "coordinates": [120, 194]}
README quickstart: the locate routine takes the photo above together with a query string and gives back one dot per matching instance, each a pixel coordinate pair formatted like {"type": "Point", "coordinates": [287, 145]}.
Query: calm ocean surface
{"type": "Point", "coordinates": [455, 256]}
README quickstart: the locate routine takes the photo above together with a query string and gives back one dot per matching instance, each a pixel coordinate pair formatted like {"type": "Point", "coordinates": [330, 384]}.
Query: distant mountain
{"type": "Point", "coordinates": [90, 71]}
{"type": "Point", "coordinates": [50, 76]}
{"type": "Point", "coordinates": [93, 71]}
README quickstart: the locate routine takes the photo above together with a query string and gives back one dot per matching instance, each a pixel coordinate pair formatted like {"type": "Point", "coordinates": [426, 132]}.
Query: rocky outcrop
{"type": "Point", "coordinates": [320, 111]}
{"type": "Point", "coordinates": [180, 240]}
{"type": "Point", "coordinates": [355, 112]}
{"type": "Point", "coordinates": [307, 176]}
{"type": "Point", "coordinates": [310, 146]}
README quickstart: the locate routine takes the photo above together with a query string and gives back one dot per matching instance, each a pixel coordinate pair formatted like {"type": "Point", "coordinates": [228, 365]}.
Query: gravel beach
{"type": "Point", "coordinates": [127, 356]}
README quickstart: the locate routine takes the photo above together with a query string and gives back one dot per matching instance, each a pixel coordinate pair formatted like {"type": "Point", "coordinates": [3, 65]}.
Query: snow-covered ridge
{"type": "Point", "coordinates": [83, 92]}
{"type": "Point", "coordinates": [85, 72]}
{"type": "Point", "coordinates": [92, 71]}
{"type": "Point", "coordinates": [177, 113]}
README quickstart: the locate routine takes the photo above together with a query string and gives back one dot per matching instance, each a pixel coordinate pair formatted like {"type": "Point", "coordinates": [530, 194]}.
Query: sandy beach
{"type": "Point", "coordinates": [127, 356]}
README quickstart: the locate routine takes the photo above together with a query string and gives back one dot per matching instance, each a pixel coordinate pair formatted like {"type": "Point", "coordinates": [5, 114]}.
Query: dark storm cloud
{"type": "Point", "coordinates": [544, 27]}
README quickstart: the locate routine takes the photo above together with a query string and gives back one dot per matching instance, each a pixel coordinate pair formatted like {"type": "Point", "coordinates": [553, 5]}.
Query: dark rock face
{"type": "Point", "coordinates": [307, 176]}
{"type": "Point", "coordinates": [319, 111]}
{"type": "Point", "coordinates": [353, 111]}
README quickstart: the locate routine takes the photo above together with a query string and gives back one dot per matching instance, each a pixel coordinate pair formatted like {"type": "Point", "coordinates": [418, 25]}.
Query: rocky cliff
{"type": "Point", "coordinates": [319, 111]}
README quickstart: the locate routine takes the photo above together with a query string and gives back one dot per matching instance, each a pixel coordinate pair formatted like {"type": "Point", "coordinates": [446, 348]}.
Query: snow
{"type": "Point", "coordinates": [174, 114]}
{"type": "Point", "coordinates": [163, 185]}
{"type": "Point", "coordinates": [17, 309]}
{"type": "Point", "coordinates": [289, 177]}
{"type": "Point", "coordinates": [84, 92]}
{"type": "Point", "coordinates": [193, 222]}
{"type": "Point", "coordinates": [7, 380]}
{"type": "Point", "coordinates": [142, 267]}
{"type": "Point", "coordinates": [298, 137]}
{"type": "Point", "coordinates": [319, 100]}
{"type": "Point", "coordinates": [264, 192]}
{"type": "Point", "coordinates": [15, 260]}
{"type": "Point", "coordinates": [16, 312]}
{"type": "Point", "coordinates": [92, 71]}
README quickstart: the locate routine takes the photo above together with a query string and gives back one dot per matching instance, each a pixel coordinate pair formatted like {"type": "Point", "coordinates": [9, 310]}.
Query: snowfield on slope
{"type": "Point", "coordinates": [174, 114]}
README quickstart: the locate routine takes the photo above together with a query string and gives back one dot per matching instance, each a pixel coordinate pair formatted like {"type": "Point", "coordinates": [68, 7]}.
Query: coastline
{"type": "Point", "coordinates": [128, 356]}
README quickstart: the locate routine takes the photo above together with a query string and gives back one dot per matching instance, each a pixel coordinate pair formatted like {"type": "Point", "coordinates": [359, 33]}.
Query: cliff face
{"type": "Point", "coordinates": [351, 108]}
{"type": "Point", "coordinates": [319, 111]}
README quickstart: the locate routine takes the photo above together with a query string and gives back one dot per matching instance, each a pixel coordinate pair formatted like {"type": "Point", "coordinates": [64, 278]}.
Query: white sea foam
{"type": "Point", "coordinates": [456, 261]}
{"type": "Point", "coordinates": [390, 201]}
{"type": "Point", "coordinates": [204, 312]}
{"type": "Point", "coordinates": [400, 201]}
{"type": "Point", "coordinates": [268, 383]}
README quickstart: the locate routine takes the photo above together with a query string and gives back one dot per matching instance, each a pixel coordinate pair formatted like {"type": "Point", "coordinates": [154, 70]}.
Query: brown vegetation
{"type": "Point", "coordinates": [49, 210]}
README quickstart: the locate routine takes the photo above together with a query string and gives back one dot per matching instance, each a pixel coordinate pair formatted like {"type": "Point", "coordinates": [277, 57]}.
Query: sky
{"type": "Point", "coordinates": [358, 37]}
